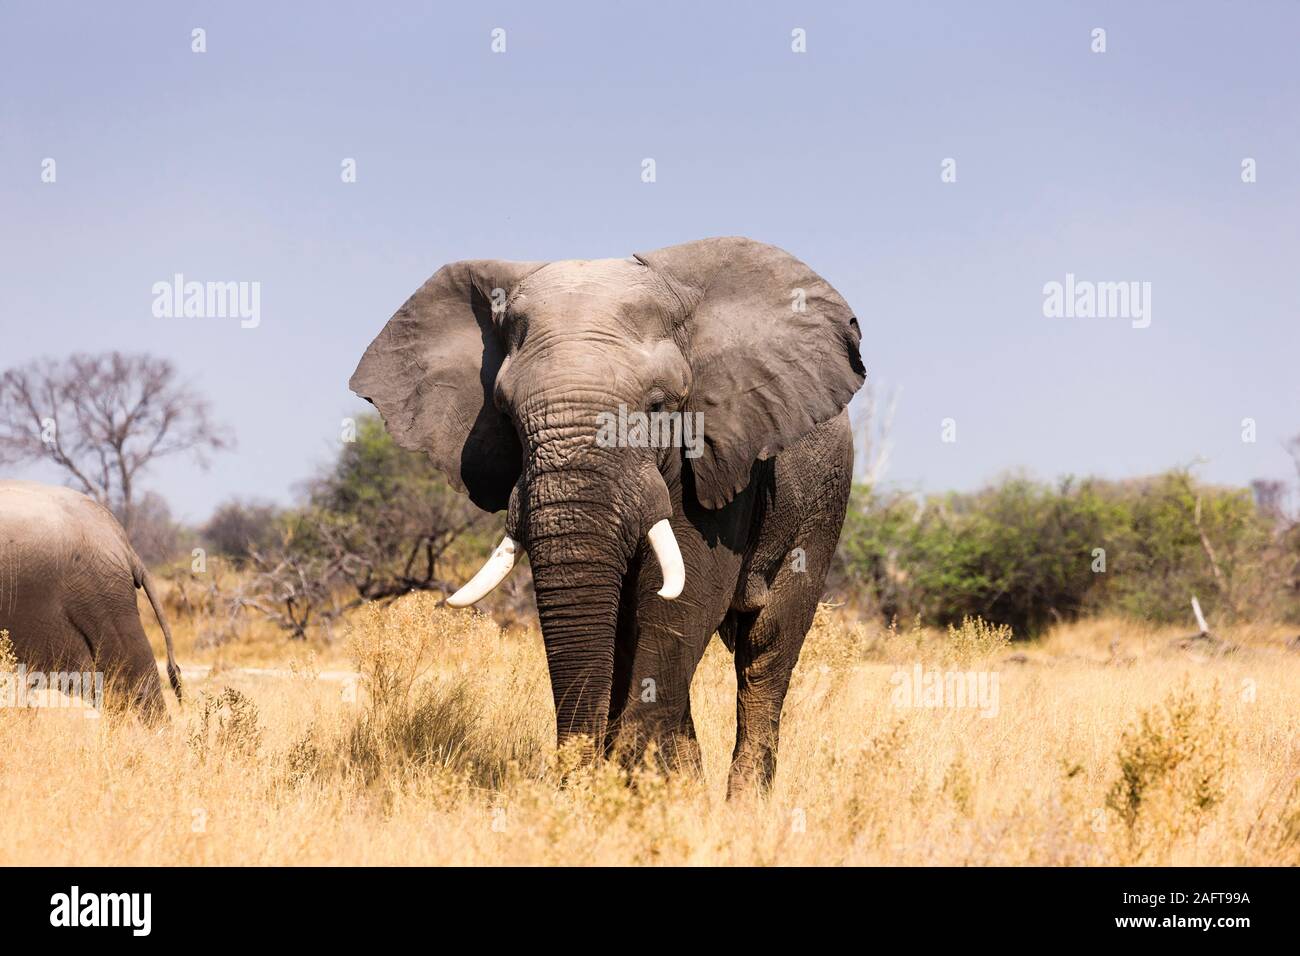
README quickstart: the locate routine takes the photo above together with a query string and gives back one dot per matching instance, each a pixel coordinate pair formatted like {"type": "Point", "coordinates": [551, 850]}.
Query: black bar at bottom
{"type": "Point", "coordinates": [304, 905]}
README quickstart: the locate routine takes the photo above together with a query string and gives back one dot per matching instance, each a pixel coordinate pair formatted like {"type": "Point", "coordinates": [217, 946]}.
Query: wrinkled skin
{"type": "Point", "coordinates": [499, 370]}
{"type": "Point", "coordinates": [68, 578]}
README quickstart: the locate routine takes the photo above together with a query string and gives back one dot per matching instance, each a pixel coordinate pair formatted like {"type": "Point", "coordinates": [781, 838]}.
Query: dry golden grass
{"type": "Point", "coordinates": [1108, 746]}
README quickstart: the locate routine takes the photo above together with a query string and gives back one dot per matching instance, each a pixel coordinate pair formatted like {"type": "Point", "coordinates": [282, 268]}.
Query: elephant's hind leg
{"type": "Point", "coordinates": [767, 648]}
{"type": "Point", "coordinates": [136, 678]}
{"type": "Point", "coordinates": [767, 627]}
{"type": "Point", "coordinates": [123, 656]}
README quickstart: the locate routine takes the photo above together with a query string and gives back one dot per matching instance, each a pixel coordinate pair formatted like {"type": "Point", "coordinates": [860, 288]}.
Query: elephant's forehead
{"type": "Point", "coordinates": [589, 284]}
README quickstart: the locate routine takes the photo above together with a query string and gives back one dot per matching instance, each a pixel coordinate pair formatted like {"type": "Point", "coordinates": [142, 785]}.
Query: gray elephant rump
{"type": "Point", "coordinates": [68, 582]}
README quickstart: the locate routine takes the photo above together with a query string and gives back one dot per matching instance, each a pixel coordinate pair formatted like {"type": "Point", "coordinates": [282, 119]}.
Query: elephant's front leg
{"type": "Point", "coordinates": [652, 702]}
{"type": "Point", "coordinates": [659, 646]}
{"type": "Point", "coordinates": [653, 683]}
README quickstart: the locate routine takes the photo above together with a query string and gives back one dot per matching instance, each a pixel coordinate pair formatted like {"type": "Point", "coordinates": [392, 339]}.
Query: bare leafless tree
{"type": "Point", "coordinates": [295, 590]}
{"type": "Point", "coordinates": [872, 425]}
{"type": "Point", "coordinates": [103, 419]}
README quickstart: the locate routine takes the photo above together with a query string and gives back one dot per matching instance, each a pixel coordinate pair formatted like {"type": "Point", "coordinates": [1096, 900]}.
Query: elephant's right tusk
{"type": "Point", "coordinates": [664, 543]}
{"type": "Point", "coordinates": [493, 572]}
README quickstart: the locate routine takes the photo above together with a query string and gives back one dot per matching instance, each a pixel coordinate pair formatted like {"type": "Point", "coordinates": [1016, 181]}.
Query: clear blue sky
{"type": "Point", "coordinates": [1117, 166]}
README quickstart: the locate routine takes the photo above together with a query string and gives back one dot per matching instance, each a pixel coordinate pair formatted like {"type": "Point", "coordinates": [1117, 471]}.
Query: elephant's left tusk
{"type": "Point", "coordinates": [664, 543]}
{"type": "Point", "coordinates": [493, 572]}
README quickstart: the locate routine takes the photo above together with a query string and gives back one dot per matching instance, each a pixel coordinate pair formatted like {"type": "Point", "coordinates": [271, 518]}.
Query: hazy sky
{"type": "Point", "coordinates": [1117, 166]}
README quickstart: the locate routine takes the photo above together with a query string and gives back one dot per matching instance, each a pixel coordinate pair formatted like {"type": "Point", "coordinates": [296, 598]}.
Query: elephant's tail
{"type": "Point", "coordinates": [173, 670]}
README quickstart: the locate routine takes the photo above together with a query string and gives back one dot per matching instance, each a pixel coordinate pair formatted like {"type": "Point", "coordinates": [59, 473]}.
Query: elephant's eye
{"type": "Point", "coordinates": [655, 407]}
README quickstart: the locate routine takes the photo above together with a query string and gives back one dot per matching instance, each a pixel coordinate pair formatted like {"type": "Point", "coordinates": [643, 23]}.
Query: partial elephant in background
{"type": "Point", "coordinates": [510, 376]}
{"type": "Point", "coordinates": [68, 577]}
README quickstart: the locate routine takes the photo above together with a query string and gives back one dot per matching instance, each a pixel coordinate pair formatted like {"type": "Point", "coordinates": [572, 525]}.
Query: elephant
{"type": "Point", "coordinates": [509, 376]}
{"type": "Point", "coordinates": [68, 577]}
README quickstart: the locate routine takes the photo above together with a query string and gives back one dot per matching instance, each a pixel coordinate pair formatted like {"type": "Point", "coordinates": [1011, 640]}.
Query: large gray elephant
{"type": "Point", "coordinates": [68, 577]}
{"type": "Point", "coordinates": [526, 382]}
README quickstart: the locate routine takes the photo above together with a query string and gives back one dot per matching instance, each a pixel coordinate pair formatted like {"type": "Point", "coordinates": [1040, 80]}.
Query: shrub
{"type": "Point", "coordinates": [377, 524]}
{"type": "Point", "coordinates": [1028, 555]}
{"type": "Point", "coordinates": [976, 640]}
{"type": "Point", "coordinates": [239, 527]}
{"type": "Point", "coordinates": [228, 723]}
{"type": "Point", "coordinates": [1172, 764]}
{"type": "Point", "coordinates": [156, 536]}
{"type": "Point", "coordinates": [1161, 556]}
{"type": "Point", "coordinates": [413, 720]}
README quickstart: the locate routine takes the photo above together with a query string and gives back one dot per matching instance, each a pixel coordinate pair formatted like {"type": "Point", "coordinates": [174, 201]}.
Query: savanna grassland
{"type": "Point", "coordinates": [1110, 744]}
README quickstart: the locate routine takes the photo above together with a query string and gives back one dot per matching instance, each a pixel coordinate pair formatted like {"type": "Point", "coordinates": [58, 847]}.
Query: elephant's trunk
{"type": "Point", "coordinates": [578, 561]}
{"type": "Point", "coordinates": [582, 510]}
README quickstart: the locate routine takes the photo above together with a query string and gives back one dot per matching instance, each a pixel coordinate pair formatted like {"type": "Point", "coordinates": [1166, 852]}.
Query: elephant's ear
{"type": "Point", "coordinates": [773, 353]}
{"type": "Point", "coordinates": [431, 373]}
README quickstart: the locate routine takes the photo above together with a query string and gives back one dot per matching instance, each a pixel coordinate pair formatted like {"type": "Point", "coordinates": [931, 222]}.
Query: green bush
{"type": "Point", "coordinates": [1027, 554]}
{"type": "Point", "coordinates": [1161, 560]}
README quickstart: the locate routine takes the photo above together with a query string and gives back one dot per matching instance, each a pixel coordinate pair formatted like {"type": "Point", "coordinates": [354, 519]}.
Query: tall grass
{"type": "Point", "coordinates": [440, 751]}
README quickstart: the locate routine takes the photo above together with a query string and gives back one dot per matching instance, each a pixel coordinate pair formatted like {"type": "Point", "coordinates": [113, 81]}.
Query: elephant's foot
{"type": "Point", "coordinates": [753, 768]}
{"type": "Point", "coordinates": [670, 750]}
{"type": "Point", "coordinates": [680, 753]}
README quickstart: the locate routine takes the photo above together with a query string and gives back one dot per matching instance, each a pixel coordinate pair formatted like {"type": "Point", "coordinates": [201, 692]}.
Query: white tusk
{"type": "Point", "coordinates": [664, 542]}
{"type": "Point", "coordinates": [493, 572]}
